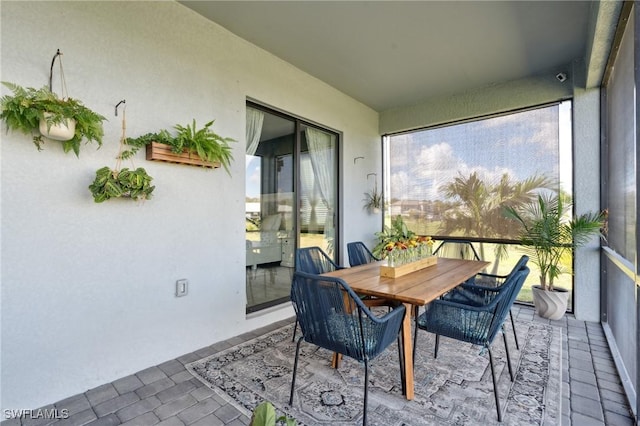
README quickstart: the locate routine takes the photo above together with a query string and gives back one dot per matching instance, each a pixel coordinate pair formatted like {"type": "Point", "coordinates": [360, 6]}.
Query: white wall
{"type": "Point", "coordinates": [87, 289]}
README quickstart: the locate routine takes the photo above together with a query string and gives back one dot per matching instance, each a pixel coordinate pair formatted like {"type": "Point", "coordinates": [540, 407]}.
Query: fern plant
{"type": "Point", "coordinates": [135, 184]}
{"type": "Point", "coordinates": [203, 142]}
{"type": "Point", "coordinates": [23, 111]}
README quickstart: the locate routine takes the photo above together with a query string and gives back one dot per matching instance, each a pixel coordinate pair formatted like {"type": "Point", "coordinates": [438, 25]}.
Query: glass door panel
{"type": "Point", "coordinates": [270, 232]}
{"type": "Point", "coordinates": [318, 189]}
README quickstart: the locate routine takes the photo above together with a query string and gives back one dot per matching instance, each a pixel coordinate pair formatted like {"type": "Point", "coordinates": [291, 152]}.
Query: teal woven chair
{"type": "Point", "coordinates": [474, 289]}
{"type": "Point", "coordinates": [475, 322]}
{"type": "Point", "coordinates": [333, 317]}
{"type": "Point", "coordinates": [359, 254]}
{"type": "Point", "coordinates": [313, 260]}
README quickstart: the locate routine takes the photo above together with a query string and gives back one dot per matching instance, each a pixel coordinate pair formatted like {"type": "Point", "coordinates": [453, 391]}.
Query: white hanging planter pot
{"type": "Point", "coordinates": [60, 132]}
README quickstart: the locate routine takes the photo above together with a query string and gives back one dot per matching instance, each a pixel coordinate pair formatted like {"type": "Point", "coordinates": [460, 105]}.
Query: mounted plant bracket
{"type": "Point", "coordinates": [58, 53]}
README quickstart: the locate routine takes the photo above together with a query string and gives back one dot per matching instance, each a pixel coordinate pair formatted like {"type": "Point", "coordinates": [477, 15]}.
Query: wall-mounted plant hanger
{"type": "Point", "coordinates": [192, 146]}
{"type": "Point", "coordinates": [120, 182]}
{"type": "Point", "coordinates": [41, 113]}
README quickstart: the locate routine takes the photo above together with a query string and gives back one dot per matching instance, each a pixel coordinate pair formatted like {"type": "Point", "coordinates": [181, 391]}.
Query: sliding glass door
{"type": "Point", "coordinates": [291, 193]}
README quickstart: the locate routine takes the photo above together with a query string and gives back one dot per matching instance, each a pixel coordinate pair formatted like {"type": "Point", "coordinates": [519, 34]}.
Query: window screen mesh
{"type": "Point", "coordinates": [453, 180]}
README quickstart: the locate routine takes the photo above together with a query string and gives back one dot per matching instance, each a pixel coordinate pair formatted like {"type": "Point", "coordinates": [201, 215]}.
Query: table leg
{"type": "Point", "coordinates": [407, 347]}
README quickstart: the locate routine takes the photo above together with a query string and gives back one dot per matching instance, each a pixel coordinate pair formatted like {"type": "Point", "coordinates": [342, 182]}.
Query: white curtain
{"type": "Point", "coordinates": [322, 151]}
{"type": "Point", "coordinates": [255, 118]}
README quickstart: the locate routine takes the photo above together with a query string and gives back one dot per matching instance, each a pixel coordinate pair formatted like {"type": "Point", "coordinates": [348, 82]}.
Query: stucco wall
{"type": "Point", "coordinates": [87, 289]}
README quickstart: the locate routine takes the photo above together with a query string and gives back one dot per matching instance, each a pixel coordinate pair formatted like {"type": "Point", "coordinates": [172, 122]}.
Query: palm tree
{"type": "Point", "coordinates": [479, 207]}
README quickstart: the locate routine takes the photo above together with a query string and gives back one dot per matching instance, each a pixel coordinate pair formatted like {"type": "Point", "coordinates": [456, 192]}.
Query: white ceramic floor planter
{"type": "Point", "coordinates": [550, 304]}
{"type": "Point", "coordinates": [59, 132]}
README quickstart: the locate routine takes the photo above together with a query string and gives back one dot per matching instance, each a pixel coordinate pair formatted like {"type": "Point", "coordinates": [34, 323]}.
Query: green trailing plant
{"type": "Point", "coordinates": [23, 111]}
{"type": "Point", "coordinates": [265, 415]}
{"type": "Point", "coordinates": [548, 232]}
{"type": "Point", "coordinates": [203, 142]}
{"type": "Point", "coordinates": [135, 184]}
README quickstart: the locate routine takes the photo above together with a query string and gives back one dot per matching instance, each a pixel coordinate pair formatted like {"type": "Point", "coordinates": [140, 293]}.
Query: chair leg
{"type": "Point", "coordinates": [435, 352]}
{"type": "Point", "coordinates": [513, 326]}
{"type": "Point", "coordinates": [506, 348]}
{"type": "Point", "coordinates": [295, 328]}
{"type": "Point", "coordinates": [495, 385]}
{"type": "Point", "coordinates": [295, 370]}
{"type": "Point", "coordinates": [366, 391]}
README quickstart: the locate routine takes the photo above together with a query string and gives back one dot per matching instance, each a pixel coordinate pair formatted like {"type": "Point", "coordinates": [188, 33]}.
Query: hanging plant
{"type": "Point", "coordinates": [121, 182]}
{"type": "Point", "coordinates": [373, 200]}
{"type": "Point", "coordinates": [36, 111]}
{"type": "Point", "coordinates": [41, 113]}
{"type": "Point", "coordinates": [135, 184]}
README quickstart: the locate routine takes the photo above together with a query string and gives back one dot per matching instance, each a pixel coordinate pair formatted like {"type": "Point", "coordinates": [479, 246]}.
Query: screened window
{"type": "Point", "coordinates": [453, 181]}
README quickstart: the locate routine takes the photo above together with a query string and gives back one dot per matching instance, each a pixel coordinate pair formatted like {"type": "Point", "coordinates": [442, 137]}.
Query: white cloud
{"type": "Point", "coordinates": [435, 166]}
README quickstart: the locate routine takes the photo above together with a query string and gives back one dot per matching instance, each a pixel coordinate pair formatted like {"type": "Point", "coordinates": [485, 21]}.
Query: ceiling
{"type": "Point", "coordinates": [390, 54]}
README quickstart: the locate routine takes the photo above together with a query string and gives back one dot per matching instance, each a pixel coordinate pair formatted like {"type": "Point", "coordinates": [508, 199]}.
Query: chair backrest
{"type": "Point", "coordinates": [489, 280]}
{"type": "Point", "coordinates": [505, 299]}
{"type": "Point", "coordinates": [333, 317]}
{"type": "Point", "coordinates": [460, 249]}
{"type": "Point", "coordinates": [313, 260]}
{"type": "Point", "coordinates": [359, 254]}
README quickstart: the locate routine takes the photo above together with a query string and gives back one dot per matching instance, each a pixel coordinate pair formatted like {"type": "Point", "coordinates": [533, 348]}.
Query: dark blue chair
{"type": "Point", "coordinates": [475, 288]}
{"type": "Point", "coordinates": [332, 316]}
{"type": "Point", "coordinates": [477, 322]}
{"type": "Point", "coordinates": [464, 249]}
{"type": "Point", "coordinates": [313, 260]}
{"type": "Point", "coordinates": [359, 254]}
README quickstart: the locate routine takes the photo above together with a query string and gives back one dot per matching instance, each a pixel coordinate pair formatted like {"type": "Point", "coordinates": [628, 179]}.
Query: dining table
{"type": "Point", "coordinates": [414, 289]}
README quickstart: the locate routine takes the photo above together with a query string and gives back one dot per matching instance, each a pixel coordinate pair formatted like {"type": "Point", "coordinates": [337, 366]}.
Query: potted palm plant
{"type": "Point", "coordinates": [42, 114]}
{"type": "Point", "coordinates": [548, 235]}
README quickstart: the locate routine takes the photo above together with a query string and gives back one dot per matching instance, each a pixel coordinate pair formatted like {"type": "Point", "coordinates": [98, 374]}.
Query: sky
{"type": "Point", "coordinates": [522, 145]}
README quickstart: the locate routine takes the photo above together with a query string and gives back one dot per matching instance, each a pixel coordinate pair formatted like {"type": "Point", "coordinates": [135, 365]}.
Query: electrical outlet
{"type": "Point", "coordinates": [182, 287]}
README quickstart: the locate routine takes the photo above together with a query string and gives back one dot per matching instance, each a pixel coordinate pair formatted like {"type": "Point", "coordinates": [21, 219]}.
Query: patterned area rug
{"type": "Point", "coordinates": [454, 389]}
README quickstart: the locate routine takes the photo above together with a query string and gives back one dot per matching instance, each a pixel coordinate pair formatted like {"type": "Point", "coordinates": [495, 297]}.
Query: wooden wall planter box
{"type": "Point", "coordinates": [161, 152]}
{"type": "Point", "coordinates": [407, 268]}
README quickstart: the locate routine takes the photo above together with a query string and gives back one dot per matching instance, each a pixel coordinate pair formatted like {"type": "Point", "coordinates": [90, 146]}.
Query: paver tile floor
{"type": "Point", "coordinates": [168, 395]}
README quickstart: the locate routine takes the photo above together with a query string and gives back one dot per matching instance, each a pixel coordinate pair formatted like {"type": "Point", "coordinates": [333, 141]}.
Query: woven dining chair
{"type": "Point", "coordinates": [313, 260]}
{"type": "Point", "coordinates": [333, 317]}
{"type": "Point", "coordinates": [474, 289]}
{"type": "Point", "coordinates": [359, 254]}
{"type": "Point", "coordinates": [475, 322]}
{"type": "Point", "coordinates": [464, 249]}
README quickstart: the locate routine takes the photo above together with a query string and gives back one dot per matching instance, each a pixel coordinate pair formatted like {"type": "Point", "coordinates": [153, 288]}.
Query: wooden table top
{"type": "Point", "coordinates": [417, 288]}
